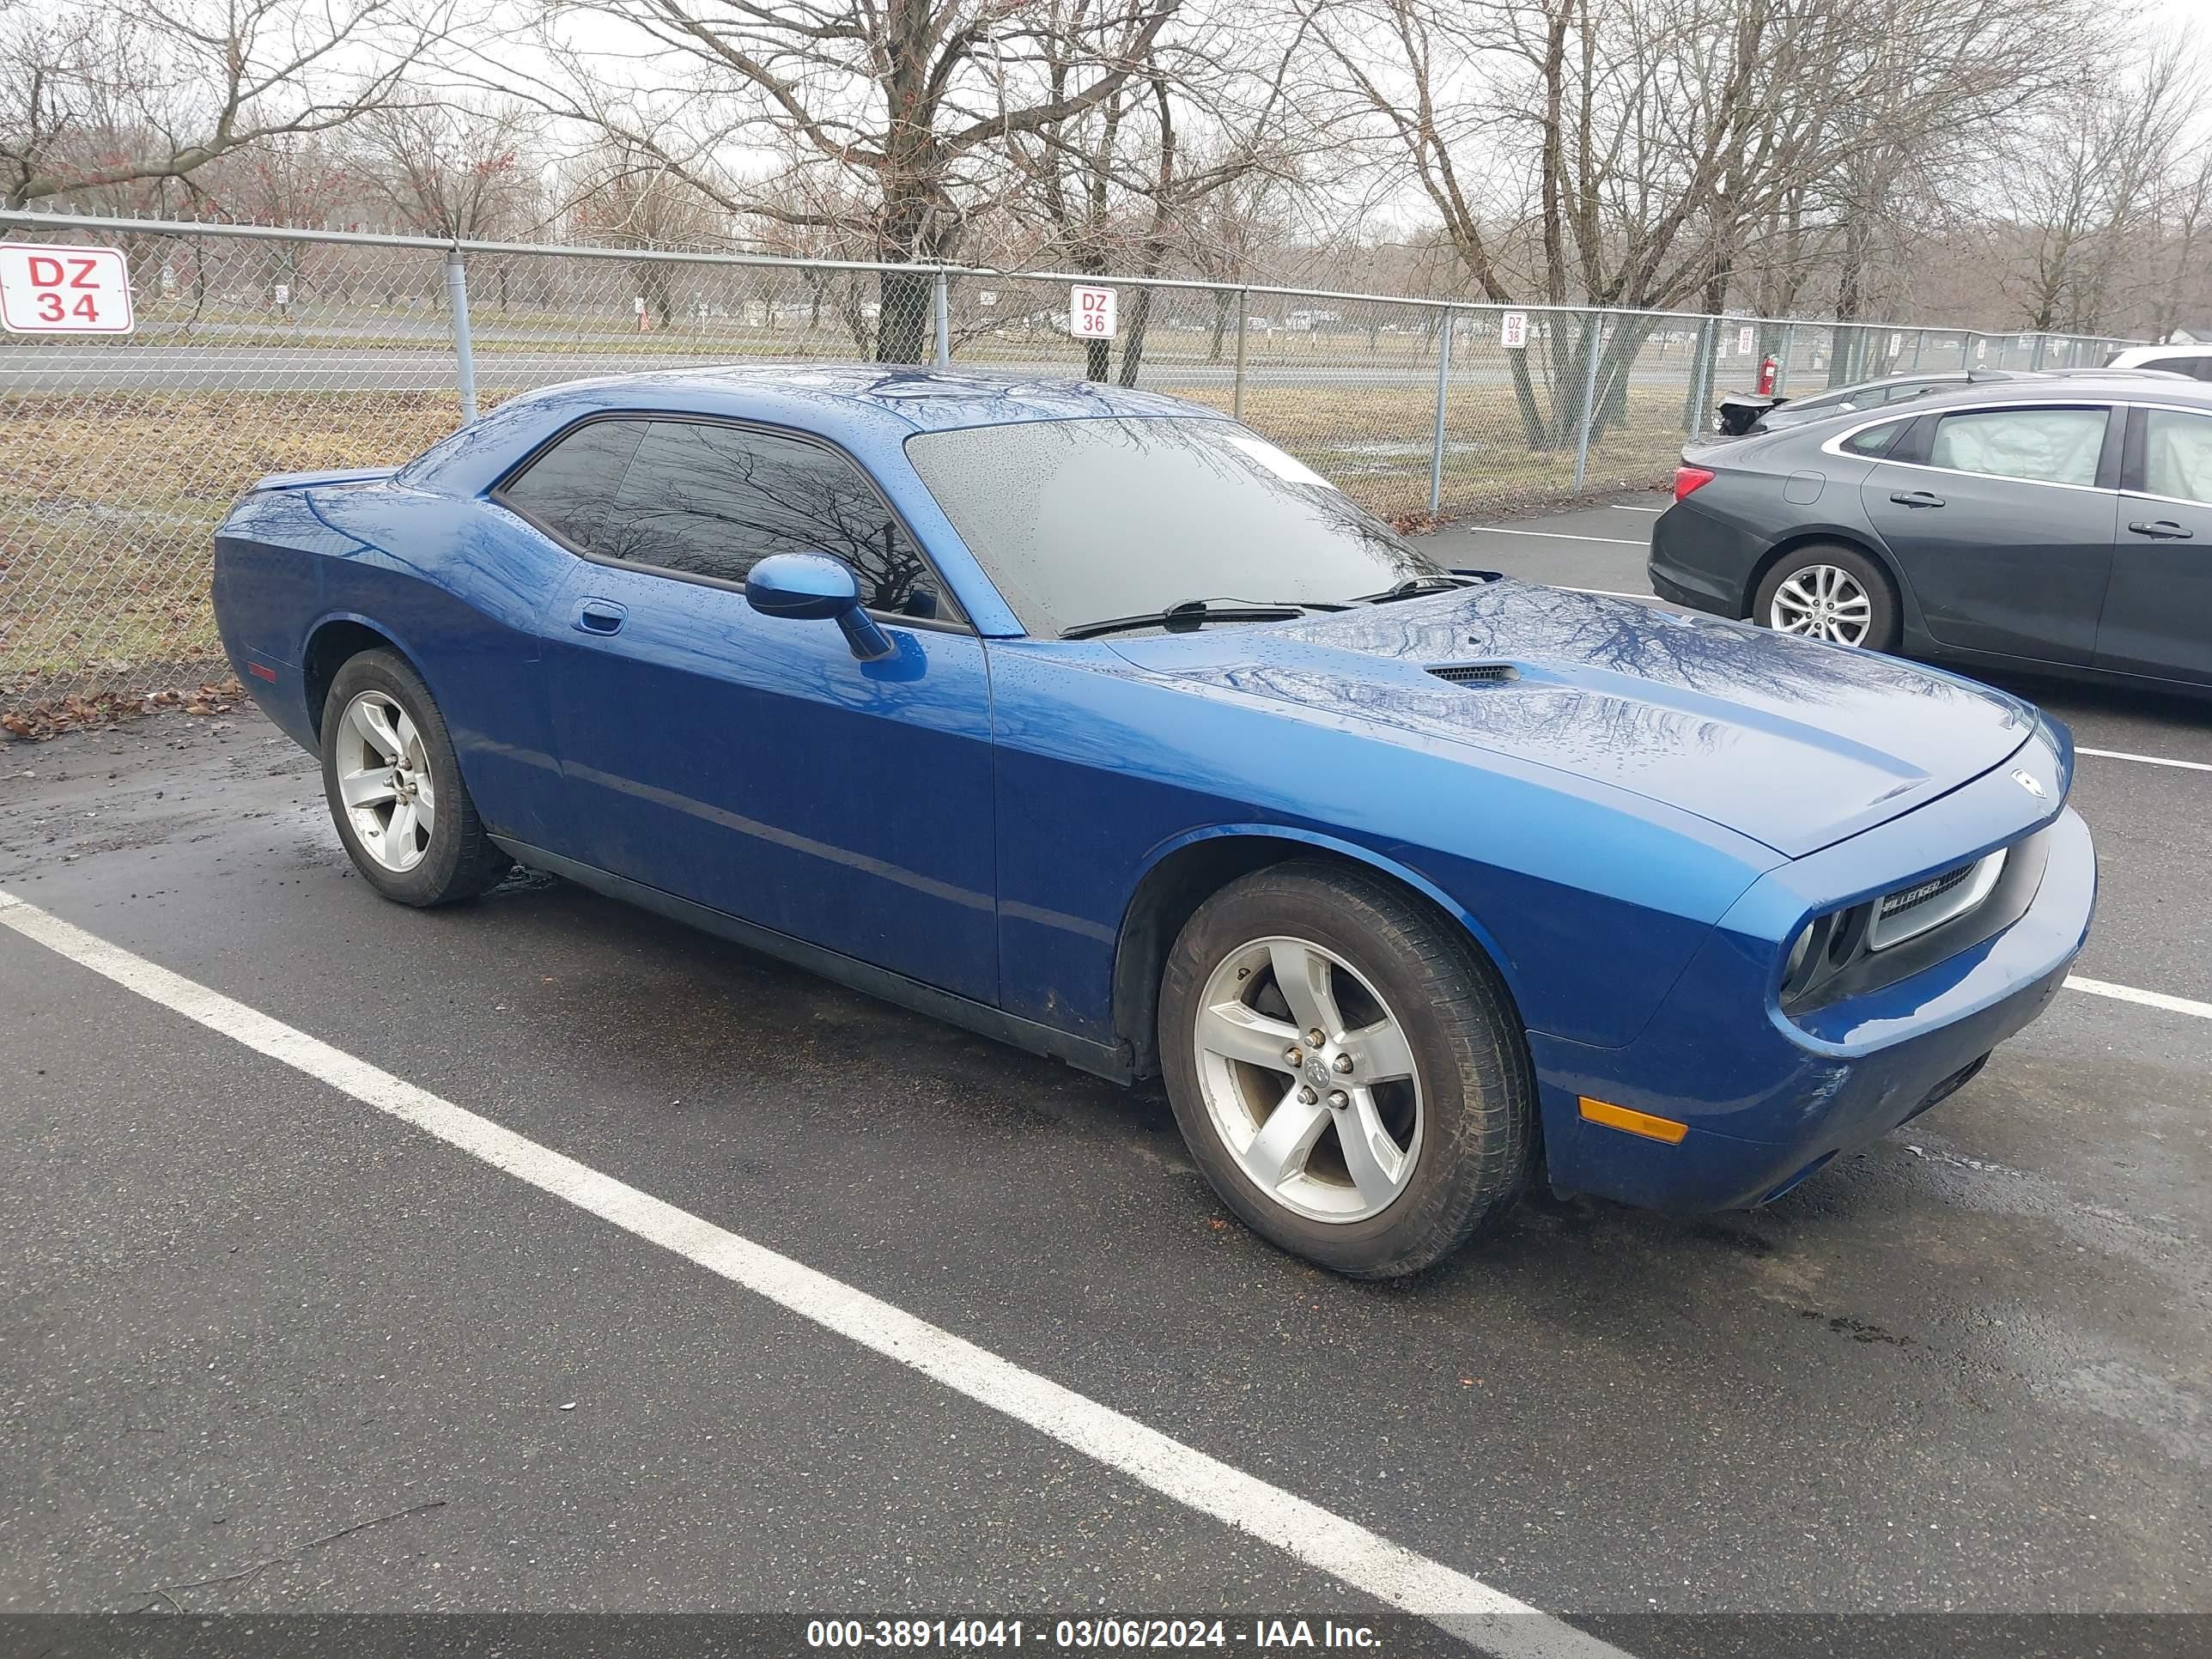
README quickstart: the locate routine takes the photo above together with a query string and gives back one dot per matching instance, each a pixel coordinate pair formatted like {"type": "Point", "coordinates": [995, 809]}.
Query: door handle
{"type": "Point", "coordinates": [598, 616]}
{"type": "Point", "coordinates": [2164, 529]}
{"type": "Point", "coordinates": [1916, 498]}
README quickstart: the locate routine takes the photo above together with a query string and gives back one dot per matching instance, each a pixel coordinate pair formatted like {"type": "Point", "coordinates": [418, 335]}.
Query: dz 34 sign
{"type": "Point", "coordinates": [63, 290]}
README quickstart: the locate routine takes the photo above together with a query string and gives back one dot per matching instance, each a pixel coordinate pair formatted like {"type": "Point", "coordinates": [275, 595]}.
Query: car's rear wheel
{"type": "Point", "coordinates": [395, 789]}
{"type": "Point", "coordinates": [1829, 591]}
{"type": "Point", "coordinates": [1346, 1069]}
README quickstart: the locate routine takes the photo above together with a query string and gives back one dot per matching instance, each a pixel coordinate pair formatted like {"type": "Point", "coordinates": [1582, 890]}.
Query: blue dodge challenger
{"type": "Point", "coordinates": [1091, 720]}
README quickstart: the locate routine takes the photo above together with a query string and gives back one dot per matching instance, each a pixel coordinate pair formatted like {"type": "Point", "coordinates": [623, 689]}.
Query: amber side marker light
{"type": "Point", "coordinates": [1636, 1123]}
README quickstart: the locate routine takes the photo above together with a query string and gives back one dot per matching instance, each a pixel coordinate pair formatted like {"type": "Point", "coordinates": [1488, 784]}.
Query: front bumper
{"type": "Point", "coordinates": [1768, 1099]}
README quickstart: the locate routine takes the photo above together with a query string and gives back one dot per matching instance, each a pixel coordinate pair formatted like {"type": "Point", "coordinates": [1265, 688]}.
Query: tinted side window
{"type": "Point", "coordinates": [1876, 440]}
{"type": "Point", "coordinates": [714, 501]}
{"type": "Point", "coordinates": [2053, 446]}
{"type": "Point", "coordinates": [2177, 459]}
{"type": "Point", "coordinates": [568, 488]}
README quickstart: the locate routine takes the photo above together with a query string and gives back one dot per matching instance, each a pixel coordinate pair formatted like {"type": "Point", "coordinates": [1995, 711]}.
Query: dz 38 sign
{"type": "Point", "coordinates": [63, 290]}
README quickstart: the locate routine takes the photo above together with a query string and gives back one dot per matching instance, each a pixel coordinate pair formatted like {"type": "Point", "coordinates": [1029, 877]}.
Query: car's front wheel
{"type": "Point", "coordinates": [1346, 1069]}
{"type": "Point", "coordinates": [1829, 591]}
{"type": "Point", "coordinates": [395, 789]}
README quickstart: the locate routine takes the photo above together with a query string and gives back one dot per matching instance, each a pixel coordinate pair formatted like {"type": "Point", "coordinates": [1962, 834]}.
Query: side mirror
{"type": "Point", "coordinates": [815, 587]}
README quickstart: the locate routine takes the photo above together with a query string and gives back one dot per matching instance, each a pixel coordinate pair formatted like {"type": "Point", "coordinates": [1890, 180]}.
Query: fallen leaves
{"type": "Point", "coordinates": [40, 721]}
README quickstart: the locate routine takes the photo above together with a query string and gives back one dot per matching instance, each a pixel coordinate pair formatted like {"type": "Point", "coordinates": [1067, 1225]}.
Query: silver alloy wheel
{"type": "Point", "coordinates": [1309, 1080]}
{"type": "Point", "coordinates": [1822, 602]}
{"type": "Point", "coordinates": [385, 782]}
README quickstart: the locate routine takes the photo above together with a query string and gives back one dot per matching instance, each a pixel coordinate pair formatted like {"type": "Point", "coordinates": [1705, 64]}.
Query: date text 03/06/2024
{"type": "Point", "coordinates": [1260, 1634]}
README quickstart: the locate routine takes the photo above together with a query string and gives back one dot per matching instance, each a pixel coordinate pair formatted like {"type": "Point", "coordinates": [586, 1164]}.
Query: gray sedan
{"type": "Point", "coordinates": [2062, 525]}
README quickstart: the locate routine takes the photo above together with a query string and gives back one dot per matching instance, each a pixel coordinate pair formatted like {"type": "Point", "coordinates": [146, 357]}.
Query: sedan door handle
{"type": "Point", "coordinates": [2164, 529]}
{"type": "Point", "coordinates": [1916, 498]}
{"type": "Point", "coordinates": [598, 616]}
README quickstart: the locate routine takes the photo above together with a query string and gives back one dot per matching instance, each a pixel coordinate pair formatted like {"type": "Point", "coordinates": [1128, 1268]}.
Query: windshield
{"type": "Point", "coordinates": [1078, 521]}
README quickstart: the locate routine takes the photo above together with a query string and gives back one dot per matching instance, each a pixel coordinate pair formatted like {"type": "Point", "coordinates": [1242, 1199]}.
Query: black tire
{"type": "Point", "coordinates": [1883, 611]}
{"type": "Point", "coordinates": [460, 860]}
{"type": "Point", "coordinates": [1477, 1144]}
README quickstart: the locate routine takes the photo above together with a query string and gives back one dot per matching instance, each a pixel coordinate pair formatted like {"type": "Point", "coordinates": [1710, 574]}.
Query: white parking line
{"type": "Point", "coordinates": [1560, 536]}
{"type": "Point", "coordinates": [1623, 506]}
{"type": "Point", "coordinates": [2145, 760]}
{"type": "Point", "coordinates": [2105, 988]}
{"type": "Point", "coordinates": [1465, 1607]}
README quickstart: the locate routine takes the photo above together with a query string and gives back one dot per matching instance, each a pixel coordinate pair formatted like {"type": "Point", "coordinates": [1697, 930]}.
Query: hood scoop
{"type": "Point", "coordinates": [1476, 673]}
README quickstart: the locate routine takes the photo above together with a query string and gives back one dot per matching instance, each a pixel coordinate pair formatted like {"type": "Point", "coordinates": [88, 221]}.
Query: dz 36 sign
{"type": "Point", "coordinates": [1091, 313]}
{"type": "Point", "coordinates": [63, 290]}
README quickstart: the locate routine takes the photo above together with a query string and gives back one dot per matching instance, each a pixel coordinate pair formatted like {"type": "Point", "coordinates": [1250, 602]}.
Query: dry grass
{"type": "Point", "coordinates": [108, 506]}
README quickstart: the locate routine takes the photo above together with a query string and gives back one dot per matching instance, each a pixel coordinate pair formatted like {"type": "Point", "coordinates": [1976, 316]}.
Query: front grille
{"type": "Point", "coordinates": [1927, 905]}
{"type": "Point", "coordinates": [1897, 903]}
{"type": "Point", "coordinates": [1465, 673]}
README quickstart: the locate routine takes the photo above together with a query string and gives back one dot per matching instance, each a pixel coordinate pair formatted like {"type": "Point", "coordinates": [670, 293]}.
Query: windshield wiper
{"type": "Point", "coordinates": [1192, 612]}
{"type": "Point", "coordinates": [1415, 585]}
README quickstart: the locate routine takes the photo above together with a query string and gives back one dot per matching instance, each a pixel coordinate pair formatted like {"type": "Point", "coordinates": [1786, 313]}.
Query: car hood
{"type": "Point", "coordinates": [1796, 743]}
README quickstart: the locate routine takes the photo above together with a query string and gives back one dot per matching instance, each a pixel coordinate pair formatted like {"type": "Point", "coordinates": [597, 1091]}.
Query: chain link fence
{"type": "Point", "coordinates": [262, 349]}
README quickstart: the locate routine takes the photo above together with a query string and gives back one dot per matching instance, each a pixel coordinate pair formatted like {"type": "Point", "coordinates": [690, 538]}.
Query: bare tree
{"type": "Point", "coordinates": [96, 94]}
{"type": "Point", "coordinates": [628, 198]}
{"type": "Point", "coordinates": [2180, 285]}
{"type": "Point", "coordinates": [1118, 188]}
{"type": "Point", "coordinates": [905, 107]}
{"type": "Point", "coordinates": [1628, 154]}
{"type": "Point", "coordinates": [2087, 184]}
{"type": "Point", "coordinates": [454, 169]}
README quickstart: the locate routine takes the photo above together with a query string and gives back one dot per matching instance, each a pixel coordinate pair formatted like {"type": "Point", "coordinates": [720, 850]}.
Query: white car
{"type": "Point", "coordinates": [2193, 359]}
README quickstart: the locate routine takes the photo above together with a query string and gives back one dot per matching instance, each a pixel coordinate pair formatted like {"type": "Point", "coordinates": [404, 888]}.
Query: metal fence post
{"type": "Point", "coordinates": [1695, 420]}
{"type": "Point", "coordinates": [1243, 326]}
{"type": "Point", "coordinates": [1595, 333]}
{"type": "Point", "coordinates": [940, 301]}
{"type": "Point", "coordinates": [1919, 344]}
{"type": "Point", "coordinates": [457, 302]}
{"type": "Point", "coordinates": [1445, 328]}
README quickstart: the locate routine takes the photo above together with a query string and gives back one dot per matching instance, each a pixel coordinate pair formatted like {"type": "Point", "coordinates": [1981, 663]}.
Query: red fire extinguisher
{"type": "Point", "coordinates": [1767, 370]}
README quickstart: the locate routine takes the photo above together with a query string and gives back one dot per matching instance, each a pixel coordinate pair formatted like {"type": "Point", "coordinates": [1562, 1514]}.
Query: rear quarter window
{"type": "Point", "coordinates": [1876, 440]}
{"type": "Point", "coordinates": [568, 487]}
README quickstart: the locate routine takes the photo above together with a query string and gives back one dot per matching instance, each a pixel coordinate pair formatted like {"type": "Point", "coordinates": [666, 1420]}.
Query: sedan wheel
{"type": "Point", "coordinates": [385, 781]}
{"type": "Point", "coordinates": [1830, 590]}
{"type": "Point", "coordinates": [1347, 1068]}
{"type": "Point", "coordinates": [1309, 1080]}
{"type": "Point", "coordinates": [1823, 601]}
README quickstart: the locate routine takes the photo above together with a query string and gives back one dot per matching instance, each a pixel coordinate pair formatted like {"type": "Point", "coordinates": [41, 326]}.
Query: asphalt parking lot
{"type": "Point", "coordinates": [269, 1348]}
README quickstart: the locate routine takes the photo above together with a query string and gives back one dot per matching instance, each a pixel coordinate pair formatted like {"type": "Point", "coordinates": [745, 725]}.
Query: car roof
{"type": "Point", "coordinates": [921, 398]}
{"type": "Point", "coordinates": [2087, 383]}
{"type": "Point", "coordinates": [2077, 386]}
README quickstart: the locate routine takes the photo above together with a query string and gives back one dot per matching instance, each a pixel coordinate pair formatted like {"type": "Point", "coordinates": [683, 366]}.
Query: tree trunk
{"type": "Point", "coordinates": [1133, 344]}
{"type": "Point", "coordinates": [902, 323]}
{"type": "Point", "coordinates": [1224, 307]}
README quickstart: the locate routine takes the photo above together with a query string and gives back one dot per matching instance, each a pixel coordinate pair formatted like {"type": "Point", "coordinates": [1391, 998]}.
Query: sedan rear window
{"type": "Point", "coordinates": [1084, 520]}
